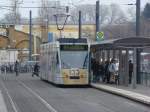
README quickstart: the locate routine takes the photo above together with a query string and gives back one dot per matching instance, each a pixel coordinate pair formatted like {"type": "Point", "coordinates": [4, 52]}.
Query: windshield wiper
{"type": "Point", "coordinates": [85, 61]}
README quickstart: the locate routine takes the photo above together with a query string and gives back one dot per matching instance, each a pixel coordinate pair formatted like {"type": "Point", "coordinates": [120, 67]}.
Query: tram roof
{"type": "Point", "coordinates": [130, 42]}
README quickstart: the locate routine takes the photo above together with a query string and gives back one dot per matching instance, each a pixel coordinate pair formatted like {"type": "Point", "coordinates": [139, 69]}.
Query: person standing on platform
{"type": "Point", "coordinates": [106, 71]}
{"type": "Point", "coordinates": [101, 71]}
{"type": "Point", "coordinates": [95, 70]}
{"type": "Point", "coordinates": [130, 71]}
{"type": "Point", "coordinates": [113, 71]}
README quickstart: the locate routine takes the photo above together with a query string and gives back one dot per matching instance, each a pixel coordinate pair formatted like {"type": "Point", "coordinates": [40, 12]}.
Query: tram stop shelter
{"type": "Point", "coordinates": [136, 49]}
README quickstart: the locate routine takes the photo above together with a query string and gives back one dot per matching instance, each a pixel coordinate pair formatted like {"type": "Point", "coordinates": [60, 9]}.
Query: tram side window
{"type": "Point", "coordinates": [57, 59]}
{"type": "Point", "coordinates": [57, 64]}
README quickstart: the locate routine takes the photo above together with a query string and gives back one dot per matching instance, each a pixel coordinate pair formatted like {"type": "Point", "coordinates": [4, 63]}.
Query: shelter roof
{"type": "Point", "coordinates": [130, 42]}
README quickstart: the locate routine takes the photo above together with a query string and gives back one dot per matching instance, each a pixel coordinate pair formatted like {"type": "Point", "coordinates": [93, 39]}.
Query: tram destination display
{"type": "Point", "coordinates": [73, 47]}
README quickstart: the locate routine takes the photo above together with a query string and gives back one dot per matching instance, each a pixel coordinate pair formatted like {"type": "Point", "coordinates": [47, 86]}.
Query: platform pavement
{"type": "Point", "coordinates": [127, 92]}
{"type": "Point", "coordinates": [2, 104]}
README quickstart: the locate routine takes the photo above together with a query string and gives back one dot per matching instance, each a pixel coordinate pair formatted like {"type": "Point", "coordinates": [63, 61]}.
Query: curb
{"type": "Point", "coordinates": [124, 93]}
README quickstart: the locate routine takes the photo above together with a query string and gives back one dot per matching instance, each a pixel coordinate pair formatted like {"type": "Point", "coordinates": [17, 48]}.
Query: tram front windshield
{"type": "Point", "coordinates": [74, 59]}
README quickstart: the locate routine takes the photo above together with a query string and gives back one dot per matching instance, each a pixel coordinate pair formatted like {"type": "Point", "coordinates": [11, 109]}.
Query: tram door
{"type": "Point", "coordinates": [124, 67]}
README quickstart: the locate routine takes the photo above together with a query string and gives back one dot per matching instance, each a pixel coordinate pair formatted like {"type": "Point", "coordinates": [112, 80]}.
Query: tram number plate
{"type": "Point", "coordinates": [74, 77]}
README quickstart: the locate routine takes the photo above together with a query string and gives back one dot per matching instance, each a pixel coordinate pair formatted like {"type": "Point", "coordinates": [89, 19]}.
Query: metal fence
{"type": "Point", "coordinates": [10, 68]}
{"type": "Point", "coordinates": [145, 78]}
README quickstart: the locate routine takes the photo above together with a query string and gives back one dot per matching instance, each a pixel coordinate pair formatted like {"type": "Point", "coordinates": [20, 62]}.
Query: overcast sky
{"type": "Point", "coordinates": [25, 12]}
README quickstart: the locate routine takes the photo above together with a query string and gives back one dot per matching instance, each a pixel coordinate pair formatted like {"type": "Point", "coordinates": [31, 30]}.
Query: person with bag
{"type": "Point", "coordinates": [113, 71]}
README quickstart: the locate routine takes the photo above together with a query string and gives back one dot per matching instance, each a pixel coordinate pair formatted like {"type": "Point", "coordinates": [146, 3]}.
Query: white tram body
{"type": "Point", "coordinates": [65, 62]}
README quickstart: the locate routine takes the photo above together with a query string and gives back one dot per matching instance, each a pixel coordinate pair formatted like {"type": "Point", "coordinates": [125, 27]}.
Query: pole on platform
{"type": "Point", "coordinates": [134, 78]}
{"type": "Point", "coordinates": [30, 36]}
{"type": "Point", "coordinates": [127, 68]}
{"type": "Point", "coordinates": [97, 17]}
{"type": "Point", "coordinates": [80, 25]}
{"type": "Point", "coordinates": [120, 72]}
{"type": "Point", "coordinates": [138, 32]}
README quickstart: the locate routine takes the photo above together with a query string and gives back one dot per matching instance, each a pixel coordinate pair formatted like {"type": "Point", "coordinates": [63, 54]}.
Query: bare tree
{"type": "Point", "coordinates": [145, 27]}
{"type": "Point", "coordinates": [43, 12]}
{"type": "Point", "coordinates": [104, 14]}
{"type": "Point", "coordinates": [113, 19]}
{"type": "Point", "coordinates": [145, 21]}
{"type": "Point", "coordinates": [13, 16]}
{"type": "Point", "coordinates": [15, 11]}
{"type": "Point", "coordinates": [88, 13]}
{"type": "Point", "coordinates": [115, 14]}
{"type": "Point", "coordinates": [49, 8]}
{"type": "Point", "coordinates": [112, 14]}
{"type": "Point", "coordinates": [119, 31]}
{"type": "Point", "coordinates": [131, 13]}
{"type": "Point", "coordinates": [75, 12]}
{"type": "Point", "coordinates": [11, 19]}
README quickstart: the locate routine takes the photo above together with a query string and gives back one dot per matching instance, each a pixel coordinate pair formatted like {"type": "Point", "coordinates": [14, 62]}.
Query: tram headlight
{"type": "Point", "coordinates": [77, 73]}
{"type": "Point", "coordinates": [72, 73]}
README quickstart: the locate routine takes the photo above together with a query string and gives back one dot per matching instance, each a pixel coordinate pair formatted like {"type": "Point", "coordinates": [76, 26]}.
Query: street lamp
{"type": "Point", "coordinates": [61, 20]}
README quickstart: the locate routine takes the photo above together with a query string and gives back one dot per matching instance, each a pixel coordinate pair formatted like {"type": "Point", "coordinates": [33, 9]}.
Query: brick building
{"type": "Point", "coordinates": [19, 40]}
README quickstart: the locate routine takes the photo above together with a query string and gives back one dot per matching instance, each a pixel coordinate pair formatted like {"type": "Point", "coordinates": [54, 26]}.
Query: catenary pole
{"type": "Point", "coordinates": [80, 24]}
{"type": "Point", "coordinates": [30, 36]}
{"type": "Point", "coordinates": [138, 3]}
{"type": "Point", "coordinates": [97, 17]}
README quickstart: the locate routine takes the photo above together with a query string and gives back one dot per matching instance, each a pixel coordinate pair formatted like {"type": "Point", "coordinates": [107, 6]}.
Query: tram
{"type": "Point", "coordinates": [65, 61]}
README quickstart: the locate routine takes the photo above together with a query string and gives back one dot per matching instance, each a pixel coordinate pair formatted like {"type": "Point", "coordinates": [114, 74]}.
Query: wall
{"type": "Point", "coordinates": [69, 30]}
{"type": "Point", "coordinates": [8, 56]}
{"type": "Point", "coordinates": [3, 41]}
